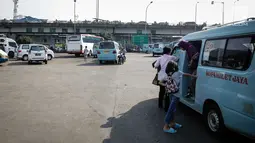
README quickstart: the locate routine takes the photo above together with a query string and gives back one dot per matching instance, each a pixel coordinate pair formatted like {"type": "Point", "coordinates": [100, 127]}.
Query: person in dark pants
{"type": "Point", "coordinates": [162, 63]}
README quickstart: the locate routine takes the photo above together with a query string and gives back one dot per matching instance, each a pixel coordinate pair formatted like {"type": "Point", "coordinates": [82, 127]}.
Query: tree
{"type": "Point", "coordinates": [106, 36]}
{"type": "Point", "coordinates": [24, 40]}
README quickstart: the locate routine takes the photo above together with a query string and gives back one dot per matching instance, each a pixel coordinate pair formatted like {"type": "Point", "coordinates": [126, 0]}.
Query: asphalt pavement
{"type": "Point", "coordinates": [72, 101]}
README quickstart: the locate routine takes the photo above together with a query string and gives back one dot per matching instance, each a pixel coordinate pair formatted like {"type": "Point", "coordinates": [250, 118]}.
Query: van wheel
{"type": "Point", "coordinates": [213, 119]}
{"type": "Point", "coordinates": [11, 54]}
{"type": "Point", "coordinates": [25, 58]}
{"type": "Point", "coordinates": [49, 57]}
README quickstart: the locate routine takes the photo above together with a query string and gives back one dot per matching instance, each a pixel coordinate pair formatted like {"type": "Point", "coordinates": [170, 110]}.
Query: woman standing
{"type": "Point", "coordinates": [162, 76]}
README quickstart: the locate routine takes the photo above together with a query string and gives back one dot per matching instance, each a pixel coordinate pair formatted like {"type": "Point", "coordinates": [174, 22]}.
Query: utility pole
{"type": "Point", "coordinates": [223, 9]}
{"type": "Point", "coordinates": [97, 9]}
{"type": "Point", "coordinates": [74, 18]}
{"type": "Point", "coordinates": [15, 9]}
{"type": "Point", "coordinates": [196, 17]}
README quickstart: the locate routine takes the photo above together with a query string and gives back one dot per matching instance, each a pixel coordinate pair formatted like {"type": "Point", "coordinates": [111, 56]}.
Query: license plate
{"type": "Point", "coordinates": [38, 54]}
{"type": "Point", "coordinates": [106, 52]}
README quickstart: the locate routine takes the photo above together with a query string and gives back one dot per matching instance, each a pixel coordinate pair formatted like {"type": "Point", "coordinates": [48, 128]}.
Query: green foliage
{"type": "Point", "coordinates": [24, 40]}
{"type": "Point", "coordinates": [106, 36]}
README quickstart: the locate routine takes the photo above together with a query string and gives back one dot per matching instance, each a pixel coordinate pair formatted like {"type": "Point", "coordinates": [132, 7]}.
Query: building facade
{"type": "Point", "coordinates": [55, 32]}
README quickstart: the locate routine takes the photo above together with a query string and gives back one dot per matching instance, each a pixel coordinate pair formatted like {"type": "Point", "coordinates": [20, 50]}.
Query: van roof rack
{"type": "Point", "coordinates": [230, 23]}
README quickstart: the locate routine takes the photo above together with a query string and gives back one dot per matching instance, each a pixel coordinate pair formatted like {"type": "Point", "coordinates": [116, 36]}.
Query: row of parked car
{"type": "Point", "coordinates": [30, 53]}
{"type": "Point", "coordinates": [26, 52]}
{"type": "Point", "coordinates": [34, 52]}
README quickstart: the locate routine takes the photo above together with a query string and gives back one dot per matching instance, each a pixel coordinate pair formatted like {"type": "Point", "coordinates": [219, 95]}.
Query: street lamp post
{"type": "Point", "coordinates": [74, 18]}
{"type": "Point", "coordinates": [196, 16]}
{"type": "Point", "coordinates": [234, 10]}
{"type": "Point", "coordinates": [146, 16]}
{"type": "Point", "coordinates": [222, 9]}
{"type": "Point", "coordinates": [97, 9]}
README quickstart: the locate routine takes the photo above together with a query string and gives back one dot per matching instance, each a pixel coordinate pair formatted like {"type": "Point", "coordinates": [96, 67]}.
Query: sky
{"type": "Point", "coordinates": [172, 11]}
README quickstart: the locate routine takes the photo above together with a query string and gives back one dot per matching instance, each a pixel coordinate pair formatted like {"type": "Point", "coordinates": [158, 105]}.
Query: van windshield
{"type": "Point", "coordinates": [106, 45]}
{"type": "Point", "coordinates": [37, 48]}
{"type": "Point", "coordinates": [156, 45]}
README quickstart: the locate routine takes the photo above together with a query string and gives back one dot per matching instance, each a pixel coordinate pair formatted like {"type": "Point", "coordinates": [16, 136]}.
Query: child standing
{"type": "Point", "coordinates": [172, 89]}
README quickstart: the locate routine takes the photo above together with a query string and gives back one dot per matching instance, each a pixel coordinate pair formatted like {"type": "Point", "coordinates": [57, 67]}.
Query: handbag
{"type": "Point", "coordinates": [155, 80]}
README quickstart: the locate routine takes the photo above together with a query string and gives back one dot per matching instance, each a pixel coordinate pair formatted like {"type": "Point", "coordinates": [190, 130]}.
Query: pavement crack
{"type": "Point", "coordinates": [115, 101]}
{"type": "Point", "coordinates": [94, 110]}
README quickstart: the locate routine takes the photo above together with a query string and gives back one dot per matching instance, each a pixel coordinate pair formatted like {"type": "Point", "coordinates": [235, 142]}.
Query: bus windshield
{"type": "Point", "coordinates": [88, 39]}
{"type": "Point", "coordinates": [74, 38]}
{"type": "Point", "coordinates": [106, 45]}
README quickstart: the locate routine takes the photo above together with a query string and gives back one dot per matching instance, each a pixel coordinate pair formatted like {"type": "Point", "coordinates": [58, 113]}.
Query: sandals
{"type": "Point", "coordinates": [177, 126]}
{"type": "Point", "coordinates": [171, 131]}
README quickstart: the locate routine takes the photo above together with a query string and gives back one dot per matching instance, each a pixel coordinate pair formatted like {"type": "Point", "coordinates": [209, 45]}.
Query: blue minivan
{"type": "Point", "coordinates": [108, 51]}
{"type": "Point", "coordinates": [225, 84]}
{"type": "Point", "coordinates": [157, 49]}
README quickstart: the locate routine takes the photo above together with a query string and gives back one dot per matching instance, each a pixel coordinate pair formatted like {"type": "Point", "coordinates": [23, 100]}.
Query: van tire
{"type": "Point", "coordinates": [11, 54]}
{"type": "Point", "coordinates": [49, 57]}
{"type": "Point", "coordinates": [213, 117]}
{"type": "Point", "coordinates": [25, 58]}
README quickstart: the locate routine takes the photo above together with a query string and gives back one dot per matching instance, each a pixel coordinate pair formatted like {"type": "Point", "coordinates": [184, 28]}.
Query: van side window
{"type": "Point", "coordinates": [12, 44]}
{"type": "Point", "coordinates": [26, 47]}
{"type": "Point", "coordinates": [213, 52]}
{"type": "Point", "coordinates": [239, 53]}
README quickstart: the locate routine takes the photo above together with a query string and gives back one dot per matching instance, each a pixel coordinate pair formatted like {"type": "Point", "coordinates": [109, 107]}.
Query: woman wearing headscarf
{"type": "Point", "coordinates": [193, 56]}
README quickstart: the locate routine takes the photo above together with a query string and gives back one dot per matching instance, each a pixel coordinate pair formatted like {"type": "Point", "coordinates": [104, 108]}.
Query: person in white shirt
{"type": "Point", "coordinates": [162, 76]}
{"type": "Point", "coordinates": [86, 51]}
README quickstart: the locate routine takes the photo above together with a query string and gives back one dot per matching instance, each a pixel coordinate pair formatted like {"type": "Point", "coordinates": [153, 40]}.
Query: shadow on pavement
{"type": "Point", "coordinates": [66, 56]}
{"type": "Point", "coordinates": [96, 63]}
{"type": "Point", "coordinates": [21, 63]}
{"type": "Point", "coordinates": [143, 123]}
{"type": "Point", "coordinates": [150, 56]}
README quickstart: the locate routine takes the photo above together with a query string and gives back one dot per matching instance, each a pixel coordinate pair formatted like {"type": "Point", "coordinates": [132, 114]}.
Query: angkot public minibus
{"type": "Point", "coordinates": [108, 51]}
{"type": "Point", "coordinates": [225, 84]}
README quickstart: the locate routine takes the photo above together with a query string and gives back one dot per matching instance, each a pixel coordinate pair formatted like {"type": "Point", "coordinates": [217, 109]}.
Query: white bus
{"type": "Point", "coordinates": [77, 43]}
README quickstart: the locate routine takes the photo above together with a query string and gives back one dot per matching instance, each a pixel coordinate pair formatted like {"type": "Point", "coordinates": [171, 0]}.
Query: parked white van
{"type": "Point", "coordinates": [22, 52]}
{"type": "Point", "coordinates": [37, 53]}
{"type": "Point", "coordinates": [8, 45]}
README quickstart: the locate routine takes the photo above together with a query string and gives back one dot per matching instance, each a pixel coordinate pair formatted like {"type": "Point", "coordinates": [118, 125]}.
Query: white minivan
{"type": "Point", "coordinates": [8, 45]}
{"type": "Point", "coordinates": [22, 52]}
{"type": "Point", "coordinates": [37, 53]}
